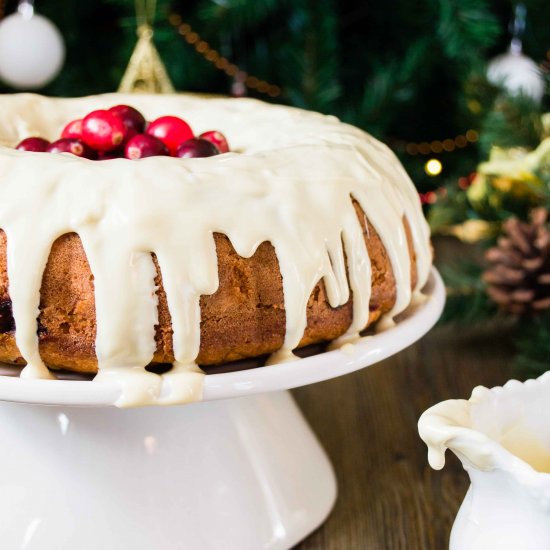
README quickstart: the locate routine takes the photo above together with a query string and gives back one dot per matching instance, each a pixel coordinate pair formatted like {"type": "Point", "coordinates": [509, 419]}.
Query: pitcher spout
{"type": "Point", "coordinates": [448, 425]}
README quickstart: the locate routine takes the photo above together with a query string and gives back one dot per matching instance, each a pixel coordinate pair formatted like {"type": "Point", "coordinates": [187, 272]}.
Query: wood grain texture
{"type": "Point", "coordinates": [389, 498]}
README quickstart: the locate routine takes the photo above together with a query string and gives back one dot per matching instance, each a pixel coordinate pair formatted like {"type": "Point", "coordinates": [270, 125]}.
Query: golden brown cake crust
{"type": "Point", "coordinates": [244, 318]}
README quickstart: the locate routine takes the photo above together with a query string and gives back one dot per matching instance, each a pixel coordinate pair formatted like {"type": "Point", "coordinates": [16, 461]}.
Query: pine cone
{"type": "Point", "coordinates": [519, 278]}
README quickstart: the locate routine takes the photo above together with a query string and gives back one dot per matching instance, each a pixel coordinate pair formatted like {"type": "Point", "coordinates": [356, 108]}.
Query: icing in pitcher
{"type": "Point", "coordinates": [502, 437]}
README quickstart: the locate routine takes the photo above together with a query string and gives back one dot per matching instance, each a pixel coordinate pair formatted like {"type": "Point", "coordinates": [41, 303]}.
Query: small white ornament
{"type": "Point", "coordinates": [514, 71]}
{"type": "Point", "coordinates": [517, 73]}
{"type": "Point", "coordinates": [32, 50]}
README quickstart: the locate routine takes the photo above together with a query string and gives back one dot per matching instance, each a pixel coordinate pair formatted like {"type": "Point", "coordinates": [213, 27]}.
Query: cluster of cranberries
{"type": "Point", "coordinates": [122, 132]}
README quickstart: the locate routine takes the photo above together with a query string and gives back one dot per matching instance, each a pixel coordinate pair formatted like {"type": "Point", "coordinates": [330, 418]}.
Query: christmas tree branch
{"type": "Point", "coordinates": [467, 300]}
{"type": "Point", "coordinates": [533, 346]}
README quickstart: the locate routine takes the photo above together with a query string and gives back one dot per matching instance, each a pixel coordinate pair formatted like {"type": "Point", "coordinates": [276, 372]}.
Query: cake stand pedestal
{"type": "Point", "coordinates": [243, 473]}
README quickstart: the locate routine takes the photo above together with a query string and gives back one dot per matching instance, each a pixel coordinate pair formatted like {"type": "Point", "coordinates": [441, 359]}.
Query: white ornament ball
{"type": "Point", "coordinates": [32, 51]}
{"type": "Point", "coordinates": [517, 73]}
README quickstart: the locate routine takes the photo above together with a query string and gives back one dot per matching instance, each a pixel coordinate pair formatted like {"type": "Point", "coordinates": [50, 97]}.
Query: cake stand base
{"type": "Point", "coordinates": [244, 473]}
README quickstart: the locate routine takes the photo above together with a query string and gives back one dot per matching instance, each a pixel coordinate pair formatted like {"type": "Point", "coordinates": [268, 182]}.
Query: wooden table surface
{"type": "Point", "coordinates": [389, 498]}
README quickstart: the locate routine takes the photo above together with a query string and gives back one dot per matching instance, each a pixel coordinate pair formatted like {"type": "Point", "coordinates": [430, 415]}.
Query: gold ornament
{"type": "Point", "coordinates": [146, 72]}
{"type": "Point", "coordinates": [511, 172]}
{"type": "Point", "coordinates": [471, 231]}
{"type": "Point", "coordinates": [479, 189]}
{"type": "Point", "coordinates": [516, 163]}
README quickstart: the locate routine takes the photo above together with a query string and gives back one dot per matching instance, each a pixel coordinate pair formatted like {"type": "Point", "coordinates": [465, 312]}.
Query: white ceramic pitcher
{"type": "Point", "coordinates": [502, 437]}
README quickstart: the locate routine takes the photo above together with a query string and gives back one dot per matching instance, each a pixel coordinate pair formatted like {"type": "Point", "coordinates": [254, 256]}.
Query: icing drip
{"type": "Point", "coordinates": [293, 187]}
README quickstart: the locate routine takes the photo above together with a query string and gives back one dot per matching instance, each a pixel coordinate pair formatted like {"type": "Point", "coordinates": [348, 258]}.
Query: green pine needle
{"type": "Point", "coordinates": [533, 346]}
{"type": "Point", "coordinates": [515, 121]}
{"type": "Point", "coordinates": [466, 22]}
{"type": "Point", "coordinates": [467, 300]}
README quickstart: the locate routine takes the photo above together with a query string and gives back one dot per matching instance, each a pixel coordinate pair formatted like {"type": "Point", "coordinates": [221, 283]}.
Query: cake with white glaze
{"type": "Point", "coordinates": [309, 231]}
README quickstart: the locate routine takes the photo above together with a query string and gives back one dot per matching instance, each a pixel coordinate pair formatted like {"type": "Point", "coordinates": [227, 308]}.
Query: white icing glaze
{"type": "Point", "coordinates": [291, 184]}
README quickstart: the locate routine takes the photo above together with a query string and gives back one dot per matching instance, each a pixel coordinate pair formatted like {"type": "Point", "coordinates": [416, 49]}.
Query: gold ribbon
{"type": "Point", "coordinates": [145, 12]}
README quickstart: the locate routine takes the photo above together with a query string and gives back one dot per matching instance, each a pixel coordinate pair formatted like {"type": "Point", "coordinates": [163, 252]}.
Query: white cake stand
{"type": "Point", "coordinates": [245, 473]}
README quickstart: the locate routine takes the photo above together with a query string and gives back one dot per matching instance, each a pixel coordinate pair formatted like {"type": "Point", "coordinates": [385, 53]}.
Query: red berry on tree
{"type": "Point", "coordinates": [144, 145]}
{"type": "Point", "coordinates": [102, 130]}
{"type": "Point", "coordinates": [73, 129]}
{"type": "Point", "coordinates": [171, 130]}
{"type": "Point", "coordinates": [72, 145]}
{"type": "Point", "coordinates": [217, 138]}
{"type": "Point", "coordinates": [35, 144]}
{"type": "Point", "coordinates": [197, 148]}
{"type": "Point", "coordinates": [132, 118]}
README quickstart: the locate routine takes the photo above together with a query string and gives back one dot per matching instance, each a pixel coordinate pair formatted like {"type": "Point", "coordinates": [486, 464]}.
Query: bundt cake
{"type": "Point", "coordinates": [309, 231]}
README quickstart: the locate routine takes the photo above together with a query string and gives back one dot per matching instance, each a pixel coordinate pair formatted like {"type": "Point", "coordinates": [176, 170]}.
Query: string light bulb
{"type": "Point", "coordinates": [433, 167]}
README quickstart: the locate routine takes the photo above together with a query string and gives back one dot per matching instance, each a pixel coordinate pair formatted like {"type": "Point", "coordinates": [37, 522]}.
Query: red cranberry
{"type": "Point", "coordinates": [144, 145]}
{"type": "Point", "coordinates": [195, 147]}
{"type": "Point", "coordinates": [118, 152]}
{"type": "Point", "coordinates": [218, 139]}
{"type": "Point", "coordinates": [102, 130]}
{"type": "Point", "coordinates": [7, 322]}
{"type": "Point", "coordinates": [74, 146]}
{"type": "Point", "coordinates": [73, 129]}
{"type": "Point", "coordinates": [132, 118]}
{"type": "Point", "coordinates": [171, 130]}
{"type": "Point", "coordinates": [130, 133]}
{"type": "Point", "coordinates": [36, 144]}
